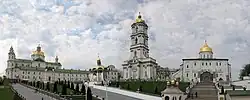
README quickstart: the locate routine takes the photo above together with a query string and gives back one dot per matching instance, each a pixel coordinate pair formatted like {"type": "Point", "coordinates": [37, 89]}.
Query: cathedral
{"type": "Point", "coordinates": [204, 68]}
{"type": "Point", "coordinates": [139, 65]}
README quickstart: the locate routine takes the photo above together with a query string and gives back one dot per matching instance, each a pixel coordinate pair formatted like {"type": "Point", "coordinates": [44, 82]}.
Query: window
{"type": "Point", "coordinates": [187, 74]}
{"type": "Point", "coordinates": [28, 72]}
{"type": "Point", "coordinates": [216, 63]}
{"type": "Point", "coordinates": [34, 72]}
{"type": "Point", "coordinates": [210, 64]}
{"type": "Point", "coordinates": [194, 74]}
{"type": "Point", "coordinates": [136, 40]}
{"type": "Point", "coordinates": [195, 64]}
{"type": "Point", "coordinates": [187, 66]}
{"type": "Point", "coordinates": [38, 64]}
{"type": "Point", "coordinates": [206, 64]}
{"type": "Point", "coordinates": [220, 64]}
{"type": "Point", "coordinates": [202, 63]}
{"type": "Point", "coordinates": [23, 72]}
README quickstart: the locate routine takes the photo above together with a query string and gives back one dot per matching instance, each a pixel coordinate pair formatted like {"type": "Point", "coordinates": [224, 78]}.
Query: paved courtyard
{"type": "Point", "coordinates": [29, 94]}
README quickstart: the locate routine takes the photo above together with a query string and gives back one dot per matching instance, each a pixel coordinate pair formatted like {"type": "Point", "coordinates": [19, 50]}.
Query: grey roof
{"type": "Point", "coordinates": [56, 70]}
{"type": "Point", "coordinates": [172, 90]}
{"type": "Point", "coordinates": [238, 92]}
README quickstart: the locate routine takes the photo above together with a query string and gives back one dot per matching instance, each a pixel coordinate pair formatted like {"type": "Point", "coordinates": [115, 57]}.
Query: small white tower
{"type": "Point", "coordinates": [56, 59]}
{"type": "Point", "coordinates": [11, 54]}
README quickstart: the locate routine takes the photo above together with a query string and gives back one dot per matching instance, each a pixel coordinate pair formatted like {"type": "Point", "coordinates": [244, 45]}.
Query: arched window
{"type": "Point", "coordinates": [167, 98]}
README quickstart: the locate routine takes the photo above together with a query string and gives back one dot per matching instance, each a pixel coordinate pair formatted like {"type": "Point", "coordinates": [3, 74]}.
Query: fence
{"type": "Point", "coordinates": [17, 96]}
{"type": "Point", "coordinates": [53, 95]}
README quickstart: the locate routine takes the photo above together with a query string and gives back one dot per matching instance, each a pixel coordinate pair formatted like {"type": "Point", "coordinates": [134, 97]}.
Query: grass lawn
{"type": "Point", "coordinates": [5, 91]}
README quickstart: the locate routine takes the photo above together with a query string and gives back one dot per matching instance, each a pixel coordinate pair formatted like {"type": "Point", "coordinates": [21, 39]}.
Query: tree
{"type": "Point", "coordinates": [72, 86]}
{"type": "Point", "coordinates": [245, 71]}
{"type": "Point", "coordinates": [156, 90]}
{"type": "Point", "coordinates": [77, 87]}
{"type": "Point", "coordinates": [83, 90]}
{"type": "Point", "coordinates": [47, 86]}
{"type": "Point", "coordinates": [89, 94]}
{"type": "Point", "coordinates": [222, 90]}
{"type": "Point", "coordinates": [233, 87]}
{"type": "Point", "coordinates": [68, 84]}
{"type": "Point", "coordinates": [128, 87]}
{"type": "Point", "coordinates": [64, 89]}
{"type": "Point", "coordinates": [55, 87]}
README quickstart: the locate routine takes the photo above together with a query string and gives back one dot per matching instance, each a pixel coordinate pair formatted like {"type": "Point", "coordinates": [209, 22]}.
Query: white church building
{"type": "Point", "coordinates": [204, 68]}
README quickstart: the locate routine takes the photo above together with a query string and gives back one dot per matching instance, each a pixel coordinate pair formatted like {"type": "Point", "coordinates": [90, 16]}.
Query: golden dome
{"type": "Point", "coordinates": [38, 51]}
{"type": "Point", "coordinates": [206, 48]}
{"type": "Point", "coordinates": [139, 19]}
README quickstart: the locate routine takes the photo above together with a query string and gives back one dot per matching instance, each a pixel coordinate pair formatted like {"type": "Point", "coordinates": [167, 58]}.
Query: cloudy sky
{"type": "Point", "coordinates": [77, 30]}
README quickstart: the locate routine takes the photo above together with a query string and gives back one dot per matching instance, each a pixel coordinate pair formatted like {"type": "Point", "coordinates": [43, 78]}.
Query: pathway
{"type": "Point", "coordinates": [120, 94]}
{"type": "Point", "coordinates": [205, 91]}
{"type": "Point", "coordinates": [30, 94]}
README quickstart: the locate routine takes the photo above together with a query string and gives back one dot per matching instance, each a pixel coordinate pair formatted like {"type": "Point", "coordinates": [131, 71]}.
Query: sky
{"type": "Point", "coordinates": [77, 30]}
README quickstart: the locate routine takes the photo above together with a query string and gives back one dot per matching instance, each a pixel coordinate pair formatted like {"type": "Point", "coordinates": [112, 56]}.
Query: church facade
{"type": "Point", "coordinates": [204, 68]}
{"type": "Point", "coordinates": [139, 65]}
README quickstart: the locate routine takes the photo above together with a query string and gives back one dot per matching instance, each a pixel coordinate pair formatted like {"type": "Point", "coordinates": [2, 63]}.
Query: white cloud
{"type": "Point", "coordinates": [76, 30]}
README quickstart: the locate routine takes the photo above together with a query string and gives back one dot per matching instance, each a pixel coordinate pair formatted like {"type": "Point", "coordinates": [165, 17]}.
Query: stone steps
{"type": "Point", "coordinates": [205, 91]}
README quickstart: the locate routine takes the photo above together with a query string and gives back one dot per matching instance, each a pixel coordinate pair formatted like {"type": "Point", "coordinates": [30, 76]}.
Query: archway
{"type": "Point", "coordinates": [206, 77]}
{"type": "Point", "coordinates": [166, 97]}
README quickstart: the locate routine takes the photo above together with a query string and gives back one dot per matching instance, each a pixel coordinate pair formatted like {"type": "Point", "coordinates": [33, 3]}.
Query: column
{"type": "Point", "coordinates": [138, 71]}
{"type": "Point", "coordinates": [129, 72]}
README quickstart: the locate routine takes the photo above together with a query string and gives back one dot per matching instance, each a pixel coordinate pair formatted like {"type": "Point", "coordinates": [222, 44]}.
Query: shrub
{"type": "Point", "coordinates": [77, 87]}
{"type": "Point", "coordinates": [55, 87]}
{"type": "Point", "coordinates": [47, 86]}
{"type": "Point", "coordinates": [83, 90]}
{"type": "Point", "coordinates": [89, 94]}
{"type": "Point", "coordinates": [64, 89]}
{"type": "Point", "coordinates": [72, 85]}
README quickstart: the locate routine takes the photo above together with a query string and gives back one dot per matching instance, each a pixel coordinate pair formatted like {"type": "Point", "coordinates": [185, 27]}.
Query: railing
{"type": "Point", "coordinates": [17, 96]}
{"type": "Point", "coordinates": [218, 90]}
{"type": "Point", "coordinates": [53, 95]}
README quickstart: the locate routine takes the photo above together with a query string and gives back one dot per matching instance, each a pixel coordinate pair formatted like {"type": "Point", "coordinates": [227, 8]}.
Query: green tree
{"type": "Point", "coordinates": [77, 87]}
{"type": "Point", "coordinates": [83, 90]}
{"type": "Point", "coordinates": [72, 86]}
{"type": "Point", "coordinates": [55, 87]}
{"type": "Point", "coordinates": [64, 89]}
{"type": "Point", "coordinates": [47, 86]}
{"type": "Point", "coordinates": [156, 90]}
{"type": "Point", "coordinates": [89, 94]}
{"type": "Point", "coordinates": [68, 84]}
{"type": "Point", "coordinates": [245, 71]}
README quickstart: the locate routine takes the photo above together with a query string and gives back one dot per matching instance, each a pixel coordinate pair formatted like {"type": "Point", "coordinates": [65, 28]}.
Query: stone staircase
{"type": "Point", "coordinates": [205, 91]}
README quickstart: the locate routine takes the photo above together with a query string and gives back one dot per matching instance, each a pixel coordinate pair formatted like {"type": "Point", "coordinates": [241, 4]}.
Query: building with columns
{"type": "Point", "coordinates": [139, 64]}
{"type": "Point", "coordinates": [101, 73]}
{"type": "Point", "coordinates": [204, 68]}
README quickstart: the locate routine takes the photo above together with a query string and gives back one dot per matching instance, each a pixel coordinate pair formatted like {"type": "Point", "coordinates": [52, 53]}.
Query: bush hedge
{"type": "Point", "coordinates": [149, 87]}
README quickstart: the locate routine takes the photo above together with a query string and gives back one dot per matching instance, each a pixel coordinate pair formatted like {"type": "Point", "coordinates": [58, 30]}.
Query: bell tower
{"type": "Point", "coordinates": [11, 54]}
{"type": "Point", "coordinates": [139, 39]}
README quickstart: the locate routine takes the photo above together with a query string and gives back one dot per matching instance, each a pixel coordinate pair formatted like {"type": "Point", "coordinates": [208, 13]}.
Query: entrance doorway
{"type": "Point", "coordinates": [206, 77]}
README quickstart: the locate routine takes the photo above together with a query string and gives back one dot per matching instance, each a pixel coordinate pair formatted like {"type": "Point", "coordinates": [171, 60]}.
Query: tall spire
{"type": "Point", "coordinates": [139, 18]}
{"type": "Point", "coordinates": [98, 62]}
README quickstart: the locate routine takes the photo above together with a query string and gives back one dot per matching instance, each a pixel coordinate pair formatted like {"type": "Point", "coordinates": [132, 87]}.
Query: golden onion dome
{"type": "Point", "coordinates": [38, 51]}
{"type": "Point", "coordinates": [206, 48]}
{"type": "Point", "coordinates": [41, 53]}
{"type": "Point", "coordinates": [139, 19]}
